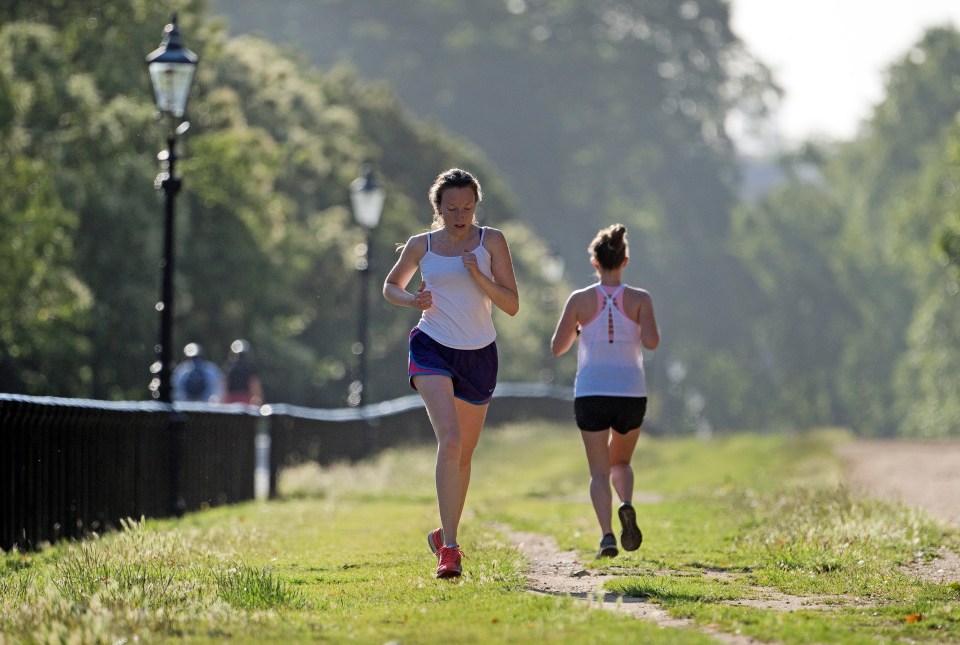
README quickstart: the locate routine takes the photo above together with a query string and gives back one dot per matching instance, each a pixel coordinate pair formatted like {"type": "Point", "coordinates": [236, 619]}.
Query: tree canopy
{"type": "Point", "coordinates": [860, 266]}
{"type": "Point", "coordinates": [596, 112]}
{"type": "Point", "coordinates": [831, 300]}
{"type": "Point", "coordinates": [265, 239]}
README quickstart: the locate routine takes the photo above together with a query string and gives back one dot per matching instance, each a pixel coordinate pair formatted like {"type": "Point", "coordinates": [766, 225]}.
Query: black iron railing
{"type": "Point", "coordinates": [69, 467]}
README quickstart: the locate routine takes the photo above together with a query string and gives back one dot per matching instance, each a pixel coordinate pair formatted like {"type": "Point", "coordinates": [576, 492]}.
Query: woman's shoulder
{"type": "Point", "coordinates": [585, 294]}
{"type": "Point", "coordinates": [491, 234]}
{"type": "Point", "coordinates": [413, 249]}
{"type": "Point", "coordinates": [636, 295]}
{"type": "Point", "coordinates": [418, 241]}
{"type": "Point", "coordinates": [494, 241]}
{"type": "Point", "coordinates": [636, 291]}
{"type": "Point", "coordinates": [584, 302]}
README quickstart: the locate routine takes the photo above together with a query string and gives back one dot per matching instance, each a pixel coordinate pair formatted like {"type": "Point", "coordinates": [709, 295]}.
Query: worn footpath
{"type": "Point", "coordinates": [922, 474]}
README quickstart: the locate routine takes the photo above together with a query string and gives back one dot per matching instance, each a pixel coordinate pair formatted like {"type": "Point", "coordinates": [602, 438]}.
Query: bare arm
{"type": "Point", "coordinates": [649, 332]}
{"type": "Point", "coordinates": [566, 331]}
{"type": "Point", "coordinates": [395, 284]}
{"type": "Point", "coordinates": [502, 290]}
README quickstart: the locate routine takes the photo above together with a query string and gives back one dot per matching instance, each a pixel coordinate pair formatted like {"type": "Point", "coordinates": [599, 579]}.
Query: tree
{"type": "Point", "coordinates": [928, 401]}
{"type": "Point", "coordinates": [857, 266]}
{"type": "Point", "coordinates": [596, 112]}
{"type": "Point", "coordinates": [265, 238]}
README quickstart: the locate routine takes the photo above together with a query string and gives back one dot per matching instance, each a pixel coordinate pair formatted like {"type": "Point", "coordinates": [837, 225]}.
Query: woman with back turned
{"type": "Point", "coordinates": [466, 269]}
{"type": "Point", "coordinates": [615, 323]}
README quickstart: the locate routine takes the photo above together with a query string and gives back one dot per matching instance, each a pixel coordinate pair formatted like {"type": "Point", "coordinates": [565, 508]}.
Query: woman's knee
{"type": "Point", "coordinates": [620, 467]}
{"type": "Point", "coordinates": [600, 473]}
{"type": "Point", "coordinates": [449, 445]}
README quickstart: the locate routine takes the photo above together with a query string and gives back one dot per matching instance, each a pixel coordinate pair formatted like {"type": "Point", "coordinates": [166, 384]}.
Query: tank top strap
{"type": "Point", "coordinates": [605, 299]}
{"type": "Point", "coordinates": [601, 297]}
{"type": "Point", "coordinates": [429, 237]}
{"type": "Point", "coordinates": [482, 229]}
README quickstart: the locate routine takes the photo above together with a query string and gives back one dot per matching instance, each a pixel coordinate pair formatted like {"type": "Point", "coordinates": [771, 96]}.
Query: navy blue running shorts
{"type": "Point", "coordinates": [597, 413]}
{"type": "Point", "coordinates": [474, 371]}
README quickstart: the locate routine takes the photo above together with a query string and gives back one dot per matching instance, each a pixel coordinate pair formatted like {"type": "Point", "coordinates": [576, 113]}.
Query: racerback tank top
{"type": "Point", "coordinates": [609, 353]}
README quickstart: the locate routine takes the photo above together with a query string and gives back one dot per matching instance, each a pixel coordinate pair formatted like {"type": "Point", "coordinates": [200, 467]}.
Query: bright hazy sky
{"type": "Point", "coordinates": [829, 55]}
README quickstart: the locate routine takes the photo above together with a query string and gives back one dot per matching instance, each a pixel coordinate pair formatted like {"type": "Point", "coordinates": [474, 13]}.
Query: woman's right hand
{"type": "Point", "coordinates": [422, 299]}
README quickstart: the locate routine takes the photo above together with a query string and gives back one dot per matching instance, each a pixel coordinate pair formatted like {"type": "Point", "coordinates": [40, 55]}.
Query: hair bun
{"type": "Point", "coordinates": [609, 247]}
{"type": "Point", "coordinates": [617, 233]}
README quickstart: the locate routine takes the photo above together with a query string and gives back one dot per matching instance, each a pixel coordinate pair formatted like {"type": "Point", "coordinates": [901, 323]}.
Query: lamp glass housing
{"type": "Point", "coordinates": [367, 199]}
{"type": "Point", "coordinates": [171, 86]}
{"type": "Point", "coordinates": [172, 69]}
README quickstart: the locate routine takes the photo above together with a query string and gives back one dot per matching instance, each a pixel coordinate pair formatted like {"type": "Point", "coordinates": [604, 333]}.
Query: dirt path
{"type": "Point", "coordinates": [559, 573]}
{"type": "Point", "coordinates": [921, 474]}
{"type": "Point", "coordinates": [926, 475]}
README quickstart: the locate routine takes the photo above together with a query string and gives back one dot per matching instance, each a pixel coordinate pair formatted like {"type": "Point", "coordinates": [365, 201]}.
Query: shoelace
{"type": "Point", "coordinates": [449, 554]}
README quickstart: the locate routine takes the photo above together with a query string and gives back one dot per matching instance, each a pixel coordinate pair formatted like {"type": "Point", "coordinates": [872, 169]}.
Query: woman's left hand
{"type": "Point", "coordinates": [501, 288]}
{"type": "Point", "coordinates": [470, 262]}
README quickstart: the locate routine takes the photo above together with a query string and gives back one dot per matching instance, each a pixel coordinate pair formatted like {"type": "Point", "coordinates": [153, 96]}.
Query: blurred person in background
{"type": "Point", "coordinates": [242, 382]}
{"type": "Point", "coordinates": [196, 378]}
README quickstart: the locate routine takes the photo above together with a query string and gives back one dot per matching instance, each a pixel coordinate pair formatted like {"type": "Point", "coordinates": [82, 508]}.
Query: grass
{"type": "Point", "coordinates": [726, 523]}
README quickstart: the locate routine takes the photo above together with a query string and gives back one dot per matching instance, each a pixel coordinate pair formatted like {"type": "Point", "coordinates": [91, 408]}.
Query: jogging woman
{"type": "Point", "coordinates": [615, 322]}
{"type": "Point", "coordinates": [466, 269]}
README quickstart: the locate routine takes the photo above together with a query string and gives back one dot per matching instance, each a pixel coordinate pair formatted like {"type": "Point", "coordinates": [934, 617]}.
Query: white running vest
{"type": "Point", "coordinates": [609, 353]}
{"type": "Point", "coordinates": [462, 315]}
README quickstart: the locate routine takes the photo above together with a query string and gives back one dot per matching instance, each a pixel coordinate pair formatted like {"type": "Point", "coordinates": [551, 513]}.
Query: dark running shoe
{"type": "Point", "coordinates": [608, 547]}
{"type": "Point", "coordinates": [448, 565]}
{"type": "Point", "coordinates": [435, 540]}
{"type": "Point", "coordinates": [630, 536]}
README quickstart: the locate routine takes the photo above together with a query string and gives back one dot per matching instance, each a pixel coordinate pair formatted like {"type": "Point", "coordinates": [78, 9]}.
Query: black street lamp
{"type": "Point", "coordinates": [366, 197]}
{"type": "Point", "coordinates": [172, 69]}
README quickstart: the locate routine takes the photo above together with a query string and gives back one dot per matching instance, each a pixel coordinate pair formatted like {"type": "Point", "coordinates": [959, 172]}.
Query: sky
{"type": "Point", "coordinates": [830, 55]}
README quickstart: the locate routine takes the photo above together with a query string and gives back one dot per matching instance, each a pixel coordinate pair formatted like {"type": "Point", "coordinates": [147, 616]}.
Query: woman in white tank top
{"type": "Point", "coordinates": [615, 323]}
{"type": "Point", "coordinates": [466, 270]}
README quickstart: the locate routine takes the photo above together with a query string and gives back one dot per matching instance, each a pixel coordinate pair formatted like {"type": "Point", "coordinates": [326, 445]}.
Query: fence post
{"type": "Point", "coordinates": [263, 484]}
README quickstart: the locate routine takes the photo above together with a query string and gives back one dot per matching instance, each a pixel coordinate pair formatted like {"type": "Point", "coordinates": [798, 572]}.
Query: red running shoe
{"type": "Point", "coordinates": [435, 540]}
{"type": "Point", "coordinates": [449, 562]}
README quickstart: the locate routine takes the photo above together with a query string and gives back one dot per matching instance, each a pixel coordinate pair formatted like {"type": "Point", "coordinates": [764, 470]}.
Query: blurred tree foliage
{"type": "Point", "coordinates": [265, 238]}
{"type": "Point", "coordinates": [597, 111]}
{"type": "Point", "coordinates": [833, 300]}
{"type": "Point", "coordinates": [857, 260]}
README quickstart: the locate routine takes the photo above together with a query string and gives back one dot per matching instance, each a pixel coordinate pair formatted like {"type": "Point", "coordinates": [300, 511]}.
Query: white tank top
{"type": "Point", "coordinates": [609, 353]}
{"type": "Point", "coordinates": [462, 315]}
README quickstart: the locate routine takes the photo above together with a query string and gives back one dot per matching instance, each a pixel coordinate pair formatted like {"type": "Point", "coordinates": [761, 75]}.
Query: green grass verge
{"type": "Point", "coordinates": [343, 556]}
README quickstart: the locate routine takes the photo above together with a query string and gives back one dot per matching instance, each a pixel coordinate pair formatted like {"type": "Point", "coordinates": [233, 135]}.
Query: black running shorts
{"type": "Point", "coordinates": [597, 413]}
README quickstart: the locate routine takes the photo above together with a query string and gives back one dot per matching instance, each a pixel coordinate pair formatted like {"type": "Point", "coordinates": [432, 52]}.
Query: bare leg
{"type": "Point", "coordinates": [621, 474]}
{"type": "Point", "coordinates": [598, 459]}
{"type": "Point", "coordinates": [437, 394]}
{"type": "Point", "coordinates": [470, 418]}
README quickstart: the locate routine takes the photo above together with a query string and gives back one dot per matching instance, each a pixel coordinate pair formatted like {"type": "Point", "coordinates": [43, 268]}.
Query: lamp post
{"type": "Point", "coordinates": [366, 198]}
{"type": "Point", "coordinates": [172, 69]}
